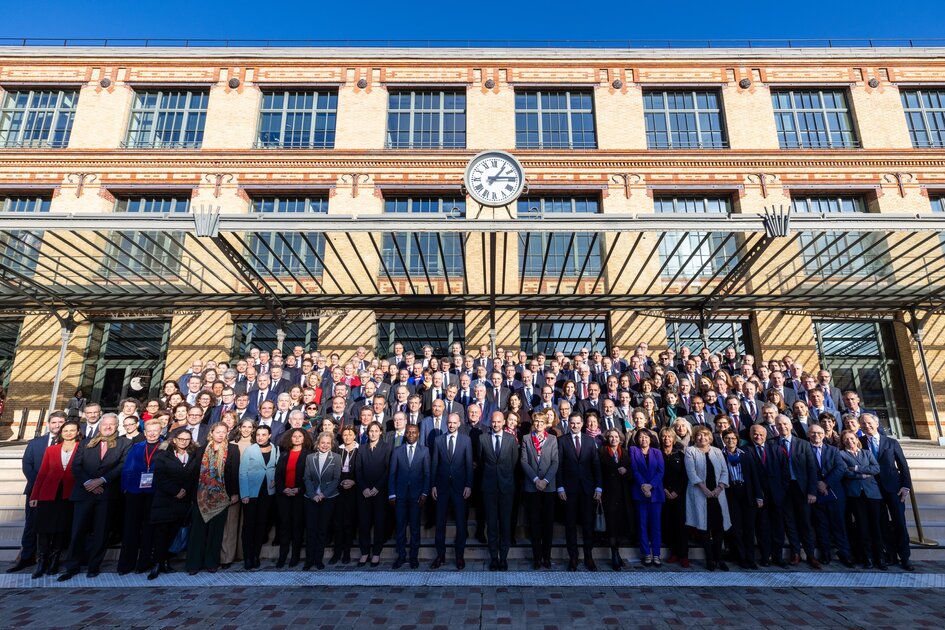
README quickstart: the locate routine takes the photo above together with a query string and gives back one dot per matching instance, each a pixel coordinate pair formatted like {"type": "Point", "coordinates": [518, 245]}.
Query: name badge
{"type": "Point", "coordinates": [147, 479]}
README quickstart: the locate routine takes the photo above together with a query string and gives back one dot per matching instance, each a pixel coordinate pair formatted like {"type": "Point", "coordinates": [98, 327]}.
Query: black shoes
{"type": "Point", "coordinates": [68, 575]}
{"type": "Point", "coordinates": [399, 562]}
{"type": "Point", "coordinates": [21, 564]}
{"type": "Point", "coordinates": [494, 565]}
{"type": "Point", "coordinates": [155, 572]}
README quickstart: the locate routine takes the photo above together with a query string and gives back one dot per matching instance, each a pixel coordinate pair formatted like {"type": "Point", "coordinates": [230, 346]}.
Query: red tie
{"type": "Point", "coordinates": [577, 445]}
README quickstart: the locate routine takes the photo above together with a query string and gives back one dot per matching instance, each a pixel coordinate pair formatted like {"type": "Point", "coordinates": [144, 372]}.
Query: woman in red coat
{"type": "Point", "coordinates": [50, 498]}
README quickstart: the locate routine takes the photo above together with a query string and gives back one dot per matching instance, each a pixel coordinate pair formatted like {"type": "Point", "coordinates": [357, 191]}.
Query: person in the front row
{"type": "Point", "coordinates": [49, 498]}
{"type": "Point", "coordinates": [295, 447]}
{"type": "Point", "coordinates": [801, 492]}
{"type": "Point", "coordinates": [540, 468]}
{"type": "Point", "coordinates": [829, 513]}
{"type": "Point", "coordinates": [615, 496]}
{"type": "Point", "coordinates": [579, 486]}
{"type": "Point", "coordinates": [646, 462]}
{"type": "Point", "coordinates": [96, 468]}
{"type": "Point", "coordinates": [409, 486]}
{"type": "Point", "coordinates": [257, 491]}
{"type": "Point", "coordinates": [498, 456]}
{"type": "Point", "coordinates": [175, 479]}
{"type": "Point", "coordinates": [895, 483]}
{"type": "Point", "coordinates": [218, 487]}
{"type": "Point", "coordinates": [371, 475]}
{"type": "Point", "coordinates": [322, 478]}
{"type": "Point", "coordinates": [137, 483]}
{"type": "Point", "coordinates": [745, 496]}
{"type": "Point", "coordinates": [452, 480]}
{"type": "Point", "coordinates": [706, 504]}
{"type": "Point", "coordinates": [864, 500]}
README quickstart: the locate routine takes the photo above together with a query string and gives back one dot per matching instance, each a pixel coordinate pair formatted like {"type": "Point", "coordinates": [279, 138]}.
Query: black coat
{"type": "Point", "coordinates": [170, 477]}
{"type": "Point", "coordinates": [674, 473]}
{"type": "Point", "coordinates": [615, 490]}
{"type": "Point", "coordinates": [371, 467]}
{"type": "Point", "coordinates": [88, 464]}
{"type": "Point", "coordinates": [299, 469]}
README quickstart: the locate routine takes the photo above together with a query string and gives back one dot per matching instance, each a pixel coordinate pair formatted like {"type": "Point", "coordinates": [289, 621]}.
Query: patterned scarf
{"type": "Point", "coordinates": [538, 441]}
{"type": "Point", "coordinates": [212, 498]}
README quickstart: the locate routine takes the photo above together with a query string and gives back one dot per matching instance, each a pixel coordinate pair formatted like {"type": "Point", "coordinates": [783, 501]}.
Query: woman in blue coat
{"type": "Point", "coordinates": [137, 484]}
{"type": "Point", "coordinates": [646, 464]}
{"type": "Point", "coordinates": [864, 500]}
{"type": "Point", "coordinates": [257, 490]}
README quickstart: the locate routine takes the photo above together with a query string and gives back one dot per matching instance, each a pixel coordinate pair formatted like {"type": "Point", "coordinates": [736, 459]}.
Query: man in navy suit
{"type": "Point", "coordinates": [801, 492]}
{"type": "Point", "coordinates": [409, 486]}
{"type": "Point", "coordinates": [895, 484]}
{"type": "Point", "coordinates": [579, 486]}
{"type": "Point", "coordinates": [32, 461]}
{"type": "Point", "coordinates": [260, 393]}
{"type": "Point", "coordinates": [829, 513]}
{"type": "Point", "coordinates": [774, 477]}
{"type": "Point", "coordinates": [498, 457]}
{"type": "Point", "coordinates": [452, 480]}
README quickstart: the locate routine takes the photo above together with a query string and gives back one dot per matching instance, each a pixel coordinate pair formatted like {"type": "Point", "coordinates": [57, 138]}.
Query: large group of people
{"type": "Point", "coordinates": [760, 464]}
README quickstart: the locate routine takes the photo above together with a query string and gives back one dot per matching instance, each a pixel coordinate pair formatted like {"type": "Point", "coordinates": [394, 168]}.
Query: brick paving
{"type": "Point", "coordinates": [444, 608]}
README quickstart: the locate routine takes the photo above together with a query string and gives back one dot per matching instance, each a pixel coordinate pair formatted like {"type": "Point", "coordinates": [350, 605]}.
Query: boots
{"type": "Point", "coordinates": [615, 562]}
{"type": "Point", "coordinates": [53, 566]}
{"type": "Point", "coordinates": [41, 565]}
{"type": "Point", "coordinates": [155, 571]}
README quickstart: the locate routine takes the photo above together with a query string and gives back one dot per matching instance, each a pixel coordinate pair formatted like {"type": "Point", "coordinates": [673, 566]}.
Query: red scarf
{"type": "Point", "coordinates": [615, 455]}
{"type": "Point", "coordinates": [538, 442]}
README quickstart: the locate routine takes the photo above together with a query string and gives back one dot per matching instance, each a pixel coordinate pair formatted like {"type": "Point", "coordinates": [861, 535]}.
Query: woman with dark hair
{"type": "Point", "coordinates": [206, 401]}
{"type": "Point", "coordinates": [675, 481]}
{"type": "Point", "coordinates": [169, 387]}
{"type": "Point", "coordinates": [646, 465]}
{"type": "Point", "coordinates": [151, 409]}
{"type": "Point", "coordinates": [178, 416]}
{"type": "Point", "coordinates": [568, 393]}
{"type": "Point", "coordinates": [76, 405]}
{"type": "Point", "coordinates": [615, 498]}
{"type": "Point", "coordinates": [257, 488]}
{"type": "Point", "coordinates": [774, 396]}
{"type": "Point", "coordinates": [828, 421]}
{"type": "Point", "coordinates": [346, 508]}
{"type": "Point", "coordinates": [50, 499]}
{"type": "Point", "coordinates": [217, 490]}
{"type": "Point", "coordinates": [517, 406]}
{"type": "Point", "coordinates": [175, 478]}
{"type": "Point", "coordinates": [137, 483]}
{"type": "Point", "coordinates": [294, 447]}
{"type": "Point", "coordinates": [370, 474]}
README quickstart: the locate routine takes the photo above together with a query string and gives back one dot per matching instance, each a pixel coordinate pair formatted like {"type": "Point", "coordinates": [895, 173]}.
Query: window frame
{"type": "Point", "coordinates": [719, 245]}
{"type": "Point", "coordinates": [330, 130]}
{"type": "Point", "coordinates": [413, 111]}
{"type": "Point", "coordinates": [397, 257]}
{"type": "Point", "coordinates": [264, 251]}
{"type": "Point", "coordinates": [924, 112]}
{"type": "Point", "coordinates": [23, 257]}
{"type": "Point", "coordinates": [151, 141]}
{"type": "Point", "coordinates": [55, 113]}
{"type": "Point", "coordinates": [668, 112]}
{"type": "Point", "coordinates": [540, 112]}
{"type": "Point", "coordinates": [822, 111]}
{"type": "Point", "coordinates": [148, 259]}
{"type": "Point", "coordinates": [582, 262]}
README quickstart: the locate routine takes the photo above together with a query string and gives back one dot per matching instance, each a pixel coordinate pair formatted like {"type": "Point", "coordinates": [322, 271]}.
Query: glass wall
{"type": "Point", "coordinates": [568, 335]}
{"type": "Point", "coordinates": [417, 331]}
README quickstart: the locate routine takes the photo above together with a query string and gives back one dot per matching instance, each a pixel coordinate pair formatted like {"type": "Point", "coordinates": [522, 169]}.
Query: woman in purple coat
{"type": "Point", "coordinates": [646, 464]}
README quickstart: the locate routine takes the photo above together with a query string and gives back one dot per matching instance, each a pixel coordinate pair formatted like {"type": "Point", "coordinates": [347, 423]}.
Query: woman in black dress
{"type": "Point", "coordinates": [675, 483]}
{"type": "Point", "coordinates": [615, 498]}
{"type": "Point", "coordinates": [370, 473]}
{"type": "Point", "coordinates": [294, 447]}
{"type": "Point", "coordinates": [346, 507]}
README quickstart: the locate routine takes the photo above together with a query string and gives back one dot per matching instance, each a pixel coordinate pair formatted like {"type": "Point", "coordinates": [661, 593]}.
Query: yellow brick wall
{"type": "Point", "coordinates": [232, 117]}
{"type": "Point", "coordinates": [207, 335]}
{"type": "Point", "coordinates": [101, 117]}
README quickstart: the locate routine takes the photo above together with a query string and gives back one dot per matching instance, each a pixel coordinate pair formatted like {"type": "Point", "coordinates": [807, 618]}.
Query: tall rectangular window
{"type": "Point", "coordinates": [426, 120]}
{"type": "Point", "coordinates": [552, 254]}
{"type": "Point", "coordinates": [416, 331]}
{"type": "Point", "coordinates": [826, 253]}
{"type": "Point", "coordinates": [925, 116]}
{"type": "Point", "coordinates": [37, 118]}
{"type": "Point", "coordinates": [555, 119]}
{"type": "Point", "coordinates": [692, 254]}
{"type": "Point", "coordinates": [564, 334]}
{"type": "Point", "coordinates": [424, 253]}
{"type": "Point", "coordinates": [298, 120]}
{"type": "Point", "coordinates": [20, 249]}
{"type": "Point", "coordinates": [683, 119]}
{"type": "Point", "coordinates": [9, 334]}
{"type": "Point", "coordinates": [288, 253]}
{"type": "Point", "coordinates": [147, 253]}
{"type": "Point", "coordinates": [172, 119]}
{"type": "Point", "coordinates": [813, 119]}
{"type": "Point", "coordinates": [721, 334]}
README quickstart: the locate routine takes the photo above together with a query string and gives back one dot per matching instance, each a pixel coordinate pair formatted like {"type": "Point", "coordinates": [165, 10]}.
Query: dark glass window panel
{"type": "Point", "coordinates": [563, 334]}
{"type": "Point", "coordinates": [416, 332]}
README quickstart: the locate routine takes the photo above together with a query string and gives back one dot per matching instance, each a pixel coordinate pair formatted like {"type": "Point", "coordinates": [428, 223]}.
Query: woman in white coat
{"type": "Point", "coordinates": [706, 506]}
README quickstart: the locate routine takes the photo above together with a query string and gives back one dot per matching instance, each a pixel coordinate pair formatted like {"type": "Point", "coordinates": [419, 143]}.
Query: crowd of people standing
{"type": "Point", "coordinates": [758, 464]}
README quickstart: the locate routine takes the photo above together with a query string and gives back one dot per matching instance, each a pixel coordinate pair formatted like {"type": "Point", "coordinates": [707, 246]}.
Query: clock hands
{"type": "Point", "coordinates": [496, 176]}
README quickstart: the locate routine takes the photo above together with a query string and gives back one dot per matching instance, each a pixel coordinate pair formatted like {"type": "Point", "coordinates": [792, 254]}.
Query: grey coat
{"type": "Point", "coordinates": [696, 510]}
{"type": "Point", "coordinates": [327, 482]}
{"type": "Point", "coordinates": [544, 468]}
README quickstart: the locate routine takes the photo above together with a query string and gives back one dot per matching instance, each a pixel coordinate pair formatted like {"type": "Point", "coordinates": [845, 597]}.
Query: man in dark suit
{"type": "Point", "coordinates": [497, 393]}
{"type": "Point", "coordinates": [32, 461]}
{"type": "Point", "coordinates": [278, 382]}
{"type": "Point", "coordinates": [774, 477]}
{"type": "Point", "coordinates": [829, 513]}
{"type": "Point", "coordinates": [895, 484]}
{"type": "Point", "coordinates": [579, 486]}
{"type": "Point", "coordinates": [198, 430]}
{"type": "Point", "coordinates": [801, 492]}
{"type": "Point", "coordinates": [498, 456]}
{"type": "Point", "coordinates": [592, 402]}
{"type": "Point", "coordinates": [409, 486]}
{"type": "Point", "coordinates": [260, 393]}
{"type": "Point", "coordinates": [438, 391]}
{"type": "Point", "coordinates": [788, 395]}
{"type": "Point", "coordinates": [93, 415]}
{"type": "Point", "coordinates": [833, 399]}
{"type": "Point", "coordinates": [699, 416]}
{"type": "Point", "coordinates": [96, 467]}
{"type": "Point", "coordinates": [452, 481]}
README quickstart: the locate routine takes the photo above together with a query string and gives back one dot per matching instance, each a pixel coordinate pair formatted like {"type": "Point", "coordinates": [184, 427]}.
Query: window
{"type": "Point", "coordinates": [298, 120]}
{"type": "Point", "coordinates": [147, 253]}
{"type": "Point", "coordinates": [262, 334]}
{"type": "Point", "coordinates": [683, 120]}
{"type": "Point", "coordinates": [426, 120]}
{"type": "Point", "coordinates": [722, 334]}
{"type": "Point", "coordinates": [19, 250]}
{"type": "Point", "coordinates": [925, 116]}
{"type": "Point", "coordinates": [416, 331]}
{"type": "Point", "coordinates": [693, 254]}
{"type": "Point", "coordinates": [554, 120]}
{"type": "Point", "coordinates": [288, 253]}
{"type": "Point", "coordinates": [552, 254]}
{"type": "Point", "coordinates": [826, 253]}
{"type": "Point", "coordinates": [424, 253]}
{"type": "Point", "coordinates": [568, 335]}
{"type": "Point", "coordinates": [813, 119]}
{"type": "Point", "coordinates": [37, 118]}
{"type": "Point", "coordinates": [9, 334]}
{"type": "Point", "coordinates": [167, 120]}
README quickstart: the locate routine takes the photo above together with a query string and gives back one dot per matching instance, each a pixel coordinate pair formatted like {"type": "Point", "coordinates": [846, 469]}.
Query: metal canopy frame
{"type": "Point", "coordinates": [94, 262]}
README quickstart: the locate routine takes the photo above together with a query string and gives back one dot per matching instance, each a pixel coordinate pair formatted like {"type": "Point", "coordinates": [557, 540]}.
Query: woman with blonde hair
{"type": "Point", "coordinates": [217, 490]}
{"type": "Point", "coordinates": [231, 549]}
{"type": "Point", "coordinates": [706, 503]}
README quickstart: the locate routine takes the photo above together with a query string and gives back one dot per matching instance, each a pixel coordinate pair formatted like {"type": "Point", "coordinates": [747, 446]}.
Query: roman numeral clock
{"type": "Point", "coordinates": [494, 179]}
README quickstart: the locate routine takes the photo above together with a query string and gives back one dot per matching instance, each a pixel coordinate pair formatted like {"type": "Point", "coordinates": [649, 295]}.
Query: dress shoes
{"type": "Point", "coordinates": [546, 563]}
{"type": "Point", "coordinates": [68, 575]}
{"type": "Point", "coordinates": [320, 565]}
{"type": "Point", "coordinates": [308, 566]}
{"type": "Point", "coordinates": [335, 557]}
{"type": "Point", "coordinates": [345, 557]}
{"type": "Point", "coordinates": [814, 563]}
{"type": "Point", "coordinates": [437, 562]}
{"type": "Point", "coordinates": [710, 566]}
{"type": "Point", "coordinates": [280, 563]}
{"type": "Point", "coordinates": [399, 562]}
{"type": "Point", "coordinates": [536, 564]}
{"type": "Point", "coordinates": [155, 572]}
{"type": "Point", "coordinates": [21, 564]}
{"type": "Point", "coordinates": [795, 560]}
{"type": "Point", "coordinates": [722, 566]}
{"type": "Point", "coordinates": [414, 564]}
{"type": "Point", "coordinates": [460, 564]}
{"type": "Point", "coordinates": [752, 566]}
{"type": "Point", "coordinates": [589, 564]}
{"type": "Point", "coordinates": [684, 563]}
{"type": "Point", "coordinates": [503, 565]}
{"type": "Point", "coordinates": [92, 573]}
{"type": "Point", "coordinates": [494, 565]}
{"type": "Point", "coordinates": [572, 564]}
{"type": "Point", "coordinates": [907, 566]}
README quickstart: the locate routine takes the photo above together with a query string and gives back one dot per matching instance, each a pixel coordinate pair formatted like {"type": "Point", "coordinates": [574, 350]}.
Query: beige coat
{"type": "Point", "coordinates": [696, 512]}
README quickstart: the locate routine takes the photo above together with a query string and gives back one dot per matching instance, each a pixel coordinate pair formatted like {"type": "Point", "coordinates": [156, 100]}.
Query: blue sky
{"type": "Point", "coordinates": [474, 19]}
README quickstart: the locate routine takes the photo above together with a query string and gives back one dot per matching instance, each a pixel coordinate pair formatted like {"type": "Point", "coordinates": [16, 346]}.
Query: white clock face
{"type": "Point", "coordinates": [494, 178]}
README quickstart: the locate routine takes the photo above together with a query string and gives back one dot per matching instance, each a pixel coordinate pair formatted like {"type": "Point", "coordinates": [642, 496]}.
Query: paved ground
{"type": "Point", "coordinates": [448, 609]}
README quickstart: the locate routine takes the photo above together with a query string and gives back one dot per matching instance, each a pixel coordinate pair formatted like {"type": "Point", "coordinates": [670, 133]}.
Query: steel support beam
{"type": "Point", "coordinates": [252, 278]}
